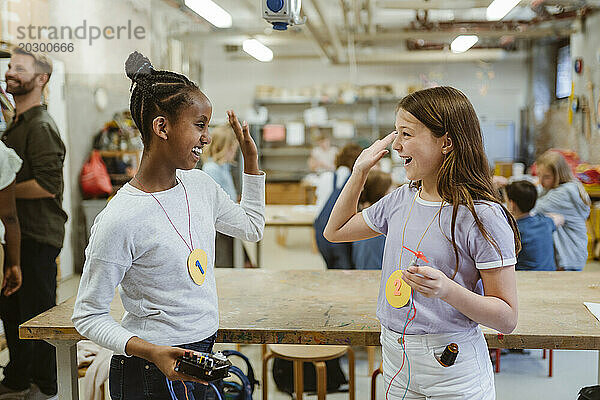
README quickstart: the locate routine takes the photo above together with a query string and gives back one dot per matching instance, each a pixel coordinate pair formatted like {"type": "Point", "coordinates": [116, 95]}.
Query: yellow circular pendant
{"type": "Point", "coordinates": [397, 292]}
{"type": "Point", "coordinates": [198, 265]}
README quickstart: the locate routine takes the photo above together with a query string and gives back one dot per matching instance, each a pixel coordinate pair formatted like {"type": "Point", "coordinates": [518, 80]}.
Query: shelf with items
{"type": "Point", "coordinates": [5, 47]}
{"type": "Point", "coordinates": [120, 146]}
{"type": "Point", "coordinates": [305, 119]}
{"type": "Point", "coordinates": [307, 101]}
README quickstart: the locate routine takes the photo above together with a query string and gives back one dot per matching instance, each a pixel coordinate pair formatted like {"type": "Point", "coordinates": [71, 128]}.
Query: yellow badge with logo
{"type": "Point", "coordinates": [198, 266]}
{"type": "Point", "coordinates": [397, 292]}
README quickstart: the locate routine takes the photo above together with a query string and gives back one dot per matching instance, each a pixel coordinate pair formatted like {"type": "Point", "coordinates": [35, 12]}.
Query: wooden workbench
{"type": "Point", "coordinates": [290, 215]}
{"type": "Point", "coordinates": [338, 307]}
{"type": "Point", "coordinates": [285, 216]}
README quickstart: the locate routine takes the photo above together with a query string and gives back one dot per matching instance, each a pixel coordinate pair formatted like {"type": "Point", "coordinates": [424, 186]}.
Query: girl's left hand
{"type": "Point", "coordinates": [432, 282]}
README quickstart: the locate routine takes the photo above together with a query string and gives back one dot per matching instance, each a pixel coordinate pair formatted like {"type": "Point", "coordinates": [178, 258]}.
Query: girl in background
{"type": "Point", "coordinates": [217, 160]}
{"type": "Point", "coordinates": [368, 253]}
{"type": "Point", "coordinates": [219, 156]}
{"type": "Point", "coordinates": [564, 195]}
{"type": "Point", "coordinates": [451, 217]}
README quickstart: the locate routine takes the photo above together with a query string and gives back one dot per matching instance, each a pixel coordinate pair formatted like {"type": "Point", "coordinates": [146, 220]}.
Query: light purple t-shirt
{"type": "Point", "coordinates": [433, 315]}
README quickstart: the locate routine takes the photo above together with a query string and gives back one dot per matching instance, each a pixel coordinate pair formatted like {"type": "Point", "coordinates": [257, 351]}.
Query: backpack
{"type": "Point", "coordinates": [283, 375]}
{"type": "Point", "coordinates": [243, 387]}
{"type": "Point", "coordinates": [94, 178]}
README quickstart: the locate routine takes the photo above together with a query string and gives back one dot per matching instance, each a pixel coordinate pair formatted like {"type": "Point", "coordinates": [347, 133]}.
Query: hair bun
{"type": "Point", "coordinates": [137, 66]}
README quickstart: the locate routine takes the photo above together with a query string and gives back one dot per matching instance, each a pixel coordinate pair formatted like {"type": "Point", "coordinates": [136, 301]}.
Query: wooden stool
{"type": "Point", "coordinates": [299, 354]}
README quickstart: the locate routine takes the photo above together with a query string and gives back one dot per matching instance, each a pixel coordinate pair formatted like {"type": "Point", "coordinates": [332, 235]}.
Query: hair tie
{"type": "Point", "coordinates": [143, 65]}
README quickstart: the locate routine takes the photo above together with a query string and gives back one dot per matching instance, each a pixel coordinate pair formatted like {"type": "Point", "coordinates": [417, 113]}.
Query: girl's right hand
{"type": "Point", "coordinates": [165, 357]}
{"type": "Point", "coordinates": [371, 155]}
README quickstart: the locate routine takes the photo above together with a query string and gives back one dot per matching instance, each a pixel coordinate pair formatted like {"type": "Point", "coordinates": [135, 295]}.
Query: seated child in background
{"type": "Point", "coordinates": [537, 251]}
{"type": "Point", "coordinates": [565, 195]}
{"type": "Point", "coordinates": [368, 253]}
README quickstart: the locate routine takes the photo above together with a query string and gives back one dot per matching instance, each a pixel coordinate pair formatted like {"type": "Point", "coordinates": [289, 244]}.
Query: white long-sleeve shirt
{"type": "Point", "coordinates": [134, 246]}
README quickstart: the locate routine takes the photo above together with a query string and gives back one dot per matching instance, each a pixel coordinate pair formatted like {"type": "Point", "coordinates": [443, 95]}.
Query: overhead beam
{"type": "Point", "coordinates": [445, 35]}
{"type": "Point", "coordinates": [313, 35]}
{"type": "Point", "coordinates": [356, 6]}
{"type": "Point", "coordinates": [331, 32]}
{"type": "Point", "coordinates": [345, 14]}
{"type": "Point", "coordinates": [426, 56]}
{"type": "Point", "coordinates": [370, 10]}
{"type": "Point", "coordinates": [432, 4]}
{"type": "Point", "coordinates": [464, 4]}
{"type": "Point", "coordinates": [252, 6]}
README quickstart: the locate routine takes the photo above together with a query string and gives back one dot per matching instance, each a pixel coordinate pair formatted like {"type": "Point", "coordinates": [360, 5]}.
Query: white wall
{"type": "Point", "coordinates": [555, 130]}
{"type": "Point", "coordinates": [587, 46]}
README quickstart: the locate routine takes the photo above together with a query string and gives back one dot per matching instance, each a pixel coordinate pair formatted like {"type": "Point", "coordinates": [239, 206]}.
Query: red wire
{"type": "Point", "coordinates": [414, 309]}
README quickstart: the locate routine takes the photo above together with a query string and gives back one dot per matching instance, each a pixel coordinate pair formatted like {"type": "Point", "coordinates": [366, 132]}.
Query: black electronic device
{"type": "Point", "coordinates": [204, 366]}
{"type": "Point", "coordinates": [449, 355]}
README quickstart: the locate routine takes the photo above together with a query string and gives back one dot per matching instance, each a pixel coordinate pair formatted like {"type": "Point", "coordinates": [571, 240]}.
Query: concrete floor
{"type": "Point", "coordinates": [521, 377]}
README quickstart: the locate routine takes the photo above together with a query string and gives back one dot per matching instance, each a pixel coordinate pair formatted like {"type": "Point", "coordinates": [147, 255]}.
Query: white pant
{"type": "Point", "coordinates": [470, 377]}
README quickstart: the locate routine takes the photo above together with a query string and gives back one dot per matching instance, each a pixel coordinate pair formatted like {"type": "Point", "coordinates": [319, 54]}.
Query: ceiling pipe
{"type": "Point", "coordinates": [441, 35]}
{"type": "Point", "coordinates": [432, 4]}
{"type": "Point", "coordinates": [345, 14]}
{"type": "Point", "coordinates": [312, 34]}
{"type": "Point", "coordinates": [432, 56]}
{"type": "Point", "coordinates": [356, 7]}
{"type": "Point", "coordinates": [252, 6]}
{"type": "Point", "coordinates": [347, 27]}
{"type": "Point", "coordinates": [464, 4]}
{"type": "Point", "coordinates": [331, 32]}
{"type": "Point", "coordinates": [370, 11]}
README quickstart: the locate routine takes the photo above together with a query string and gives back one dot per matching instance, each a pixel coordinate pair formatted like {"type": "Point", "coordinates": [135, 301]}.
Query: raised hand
{"type": "Point", "coordinates": [247, 145]}
{"type": "Point", "coordinates": [371, 155]}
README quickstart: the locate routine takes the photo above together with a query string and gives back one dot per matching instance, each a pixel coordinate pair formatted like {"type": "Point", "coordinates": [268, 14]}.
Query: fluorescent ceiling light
{"type": "Point", "coordinates": [499, 8]}
{"type": "Point", "coordinates": [211, 12]}
{"type": "Point", "coordinates": [257, 50]}
{"type": "Point", "coordinates": [463, 43]}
